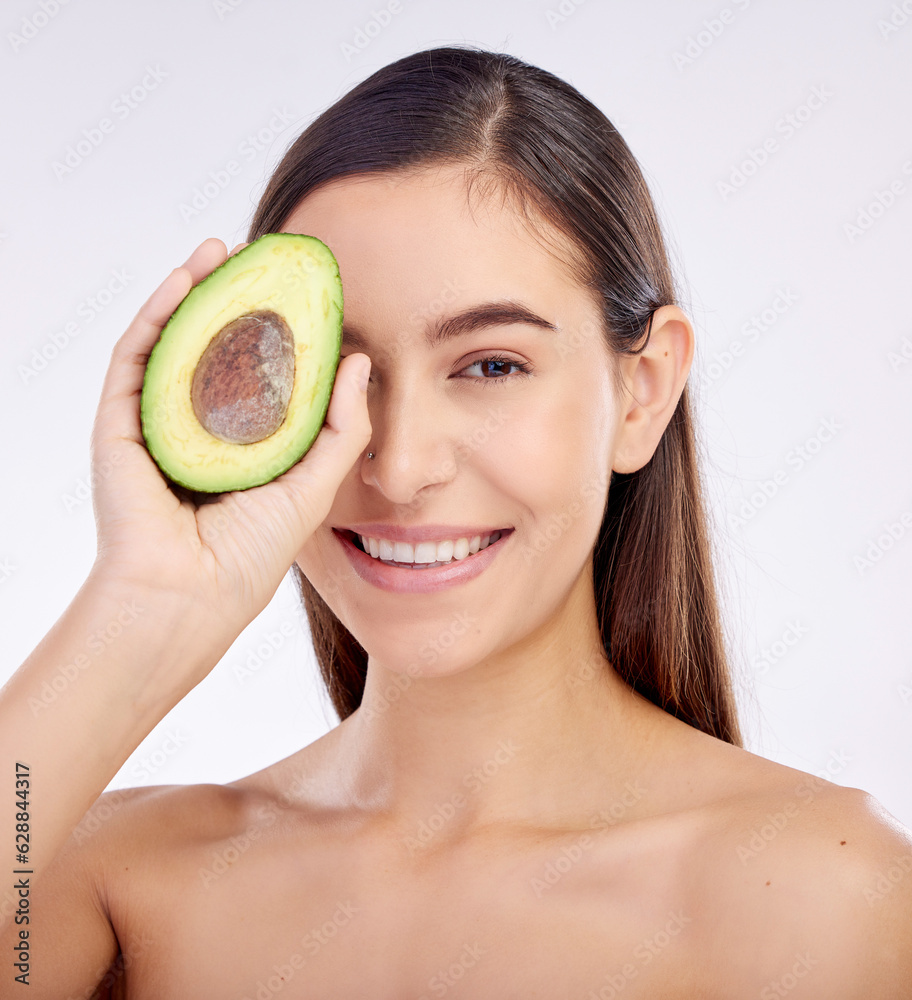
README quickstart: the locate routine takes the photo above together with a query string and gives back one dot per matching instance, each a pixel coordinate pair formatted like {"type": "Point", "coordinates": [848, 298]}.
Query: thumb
{"type": "Point", "coordinates": [312, 482]}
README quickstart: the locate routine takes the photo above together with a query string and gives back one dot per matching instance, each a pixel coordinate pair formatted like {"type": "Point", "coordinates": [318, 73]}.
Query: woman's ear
{"type": "Point", "coordinates": [653, 382]}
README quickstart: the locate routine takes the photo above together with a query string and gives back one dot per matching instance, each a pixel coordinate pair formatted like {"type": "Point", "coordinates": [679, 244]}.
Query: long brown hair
{"type": "Point", "coordinates": [552, 148]}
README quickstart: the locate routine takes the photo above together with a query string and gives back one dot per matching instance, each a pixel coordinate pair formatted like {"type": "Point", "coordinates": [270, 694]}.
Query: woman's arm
{"type": "Point", "coordinates": [93, 689]}
{"type": "Point", "coordinates": [173, 584]}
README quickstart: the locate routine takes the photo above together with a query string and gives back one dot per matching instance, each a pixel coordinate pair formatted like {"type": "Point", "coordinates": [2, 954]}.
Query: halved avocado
{"type": "Point", "coordinates": [237, 387]}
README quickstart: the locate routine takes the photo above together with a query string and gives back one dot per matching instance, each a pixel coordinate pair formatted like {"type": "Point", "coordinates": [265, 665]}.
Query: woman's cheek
{"type": "Point", "coordinates": [567, 478]}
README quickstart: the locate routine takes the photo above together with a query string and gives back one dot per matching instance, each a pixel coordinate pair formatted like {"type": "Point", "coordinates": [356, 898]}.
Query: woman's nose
{"type": "Point", "coordinates": [410, 445]}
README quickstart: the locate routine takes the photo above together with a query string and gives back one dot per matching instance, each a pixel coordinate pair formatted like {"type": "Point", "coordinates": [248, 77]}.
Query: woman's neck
{"type": "Point", "coordinates": [540, 735]}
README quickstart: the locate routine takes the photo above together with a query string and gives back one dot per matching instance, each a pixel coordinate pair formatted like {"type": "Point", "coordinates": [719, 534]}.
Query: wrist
{"type": "Point", "coordinates": [157, 641]}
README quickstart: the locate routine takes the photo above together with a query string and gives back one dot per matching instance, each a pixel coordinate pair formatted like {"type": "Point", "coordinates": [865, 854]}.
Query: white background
{"type": "Point", "coordinates": [697, 94]}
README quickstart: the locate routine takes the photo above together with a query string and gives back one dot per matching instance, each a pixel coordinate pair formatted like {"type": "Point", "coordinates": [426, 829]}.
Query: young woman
{"type": "Point", "coordinates": [536, 787]}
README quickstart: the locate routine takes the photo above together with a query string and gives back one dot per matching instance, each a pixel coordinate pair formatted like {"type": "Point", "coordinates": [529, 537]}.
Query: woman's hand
{"type": "Point", "coordinates": [224, 556]}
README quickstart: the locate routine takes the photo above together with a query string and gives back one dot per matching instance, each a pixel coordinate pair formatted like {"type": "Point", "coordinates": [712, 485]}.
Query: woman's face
{"type": "Point", "coordinates": [494, 419]}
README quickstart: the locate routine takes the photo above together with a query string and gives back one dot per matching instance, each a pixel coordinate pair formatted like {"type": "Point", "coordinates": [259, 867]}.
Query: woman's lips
{"type": "Point", "coordinates": [415, 577]}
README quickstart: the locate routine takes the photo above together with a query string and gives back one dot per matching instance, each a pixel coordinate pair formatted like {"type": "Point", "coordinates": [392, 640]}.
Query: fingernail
{"type": "Point", "coordinates": [363, 375]}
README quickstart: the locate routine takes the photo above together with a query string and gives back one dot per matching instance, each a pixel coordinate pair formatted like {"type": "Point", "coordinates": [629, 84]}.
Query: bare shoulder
{"type": "Point", "coordinates": [809, 884]}
{"type": "Point", "coordinates": [131, 820]}
{"type": "Point", "coordinates": [164, 824]}
{"type": "Point", "coordinates": [134, 839]}
{"type": "Point", "coordinates": [172, 820]}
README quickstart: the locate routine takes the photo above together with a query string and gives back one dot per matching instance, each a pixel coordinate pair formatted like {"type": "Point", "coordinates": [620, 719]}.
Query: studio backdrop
{"type": "Point", "coordinates": [775, 136]}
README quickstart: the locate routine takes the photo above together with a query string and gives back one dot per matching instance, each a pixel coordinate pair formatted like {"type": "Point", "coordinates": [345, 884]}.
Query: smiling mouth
{"type": "Point", "coordinates": [423, 555]}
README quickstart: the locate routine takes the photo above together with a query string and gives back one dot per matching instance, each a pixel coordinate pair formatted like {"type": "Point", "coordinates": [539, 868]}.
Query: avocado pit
{"type": "Point", "coordinates": [244, 379]}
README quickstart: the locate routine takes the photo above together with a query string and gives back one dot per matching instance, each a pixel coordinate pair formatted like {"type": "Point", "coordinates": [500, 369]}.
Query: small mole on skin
{"type": "Point", "coordinates": [767, 881]}
{"type": "Point", "coordinates": [842, 843]}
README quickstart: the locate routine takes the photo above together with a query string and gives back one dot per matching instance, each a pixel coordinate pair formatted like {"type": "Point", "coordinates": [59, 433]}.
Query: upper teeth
{"type": "Point", "coordinates": [426, 552]}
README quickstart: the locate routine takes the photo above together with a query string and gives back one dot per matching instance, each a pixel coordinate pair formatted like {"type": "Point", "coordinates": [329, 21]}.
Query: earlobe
{"type": "Point", "coordinates": [653, 382]}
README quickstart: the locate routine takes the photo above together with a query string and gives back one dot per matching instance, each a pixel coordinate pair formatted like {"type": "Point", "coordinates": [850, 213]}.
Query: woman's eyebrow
{"type": "Point", "coordinates": [468, 321]}
{"type": "Point", "coordinates": [478, 317]}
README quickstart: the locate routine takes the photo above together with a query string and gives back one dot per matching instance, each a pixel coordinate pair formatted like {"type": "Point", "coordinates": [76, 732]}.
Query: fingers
{"type": "Point", "coordinates": [347, 401]}
{"type": "Point", "coordinates": [206, 258]}
{"type": "Point", "coordinates": [347, 430]}
{"type": "Point", "coordinates": [284, 513]}
{"type": "Point", "coordinates": [118, 412]}
{"type": "Point", "coordinates": [314, 480]}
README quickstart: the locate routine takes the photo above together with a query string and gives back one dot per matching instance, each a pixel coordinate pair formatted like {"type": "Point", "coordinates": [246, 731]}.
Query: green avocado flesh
{"type": "Point", "coordinates": [238, 384]}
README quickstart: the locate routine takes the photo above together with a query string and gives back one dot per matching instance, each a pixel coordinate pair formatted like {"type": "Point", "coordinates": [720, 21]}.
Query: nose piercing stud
{"type": "Point", "coordinates": [370, 454]}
